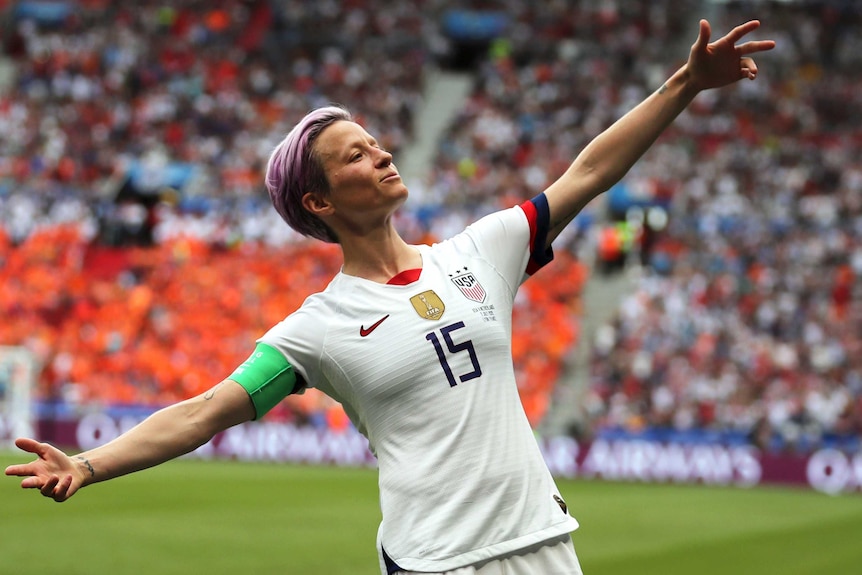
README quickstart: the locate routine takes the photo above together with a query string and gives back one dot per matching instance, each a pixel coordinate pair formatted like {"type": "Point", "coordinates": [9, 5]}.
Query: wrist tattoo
{"type": "Point", "coordinates": [86, 463]}
{"type": "Point", "coordinates": [663, 89]}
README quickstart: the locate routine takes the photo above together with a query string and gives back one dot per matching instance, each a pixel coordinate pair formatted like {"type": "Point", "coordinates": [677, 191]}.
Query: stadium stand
{"type": "Point", "coordinates": [133, 220]}
{"type": "Point", "coordinates": [745, 324]}
{"type": "Point", "coordinates": [141, 257]}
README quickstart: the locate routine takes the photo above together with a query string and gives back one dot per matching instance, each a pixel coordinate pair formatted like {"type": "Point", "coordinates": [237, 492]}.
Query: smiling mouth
{"type": "Point", "coordinates": [390, 176]}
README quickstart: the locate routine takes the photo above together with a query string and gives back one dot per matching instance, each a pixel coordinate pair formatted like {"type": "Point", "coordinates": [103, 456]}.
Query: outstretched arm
{"type": "Point", "coordinates": [611, 154]}
{"type": "Point", "coordinates": [168, 433]}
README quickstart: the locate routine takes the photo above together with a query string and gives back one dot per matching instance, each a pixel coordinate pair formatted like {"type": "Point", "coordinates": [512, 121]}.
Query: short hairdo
{"type": "Point", "coordinates": [293, 170]}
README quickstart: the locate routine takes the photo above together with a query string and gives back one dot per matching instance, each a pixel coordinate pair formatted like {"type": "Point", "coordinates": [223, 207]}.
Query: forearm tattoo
{"type": "Point", "coordinates": [663, 89]}
{"type": "Point", "coordinates": [87, 464]}
{"type": "Point", "coordinates": [211, 393]}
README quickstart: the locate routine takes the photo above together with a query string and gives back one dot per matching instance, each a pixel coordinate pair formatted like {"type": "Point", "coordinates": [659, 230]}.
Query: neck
{"type": "Point", "coordinates": [379, 258]}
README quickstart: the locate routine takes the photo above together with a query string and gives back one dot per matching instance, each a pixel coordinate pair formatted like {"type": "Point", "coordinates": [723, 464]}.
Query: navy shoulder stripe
{"type": "Point", "coordinates": [539, 216]}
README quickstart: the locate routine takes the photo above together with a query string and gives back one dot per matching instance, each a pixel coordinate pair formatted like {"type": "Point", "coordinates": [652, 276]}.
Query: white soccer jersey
{"type": "Point", "coordinates": [425, 372]}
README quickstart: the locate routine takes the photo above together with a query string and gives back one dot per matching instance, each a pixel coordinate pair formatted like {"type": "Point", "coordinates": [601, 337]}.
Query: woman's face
{"type": "Point", "coordinates": [364, 184]}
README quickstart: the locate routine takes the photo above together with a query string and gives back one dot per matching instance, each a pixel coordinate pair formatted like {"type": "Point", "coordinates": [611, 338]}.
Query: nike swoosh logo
{"type": "Point", "coordinates": [363, 331]}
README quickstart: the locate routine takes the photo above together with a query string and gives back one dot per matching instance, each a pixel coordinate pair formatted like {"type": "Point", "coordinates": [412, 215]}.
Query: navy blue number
{"type": "Point", "coordinates": [454, 348]}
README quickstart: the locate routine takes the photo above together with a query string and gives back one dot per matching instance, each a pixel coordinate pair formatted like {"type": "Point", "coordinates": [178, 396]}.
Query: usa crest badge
{"type": "Point", "coordinates": [469, 286]}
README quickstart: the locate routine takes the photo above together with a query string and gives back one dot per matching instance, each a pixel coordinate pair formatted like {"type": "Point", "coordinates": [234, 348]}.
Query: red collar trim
{"type": "Point", "coordinates": [406, 277]}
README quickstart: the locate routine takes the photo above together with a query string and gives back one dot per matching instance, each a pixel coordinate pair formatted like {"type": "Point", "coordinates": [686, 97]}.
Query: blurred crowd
{"type": "Point", "coordinates": [154, 325]}
{"type": "Point", "coordinates": [140, 255]}
{"type": "Point", "coordinates": [159, 96]}
{"type": "Point", "coordinates": [746, 322]}
{"type": "Point", "coordinates": [745, 319]}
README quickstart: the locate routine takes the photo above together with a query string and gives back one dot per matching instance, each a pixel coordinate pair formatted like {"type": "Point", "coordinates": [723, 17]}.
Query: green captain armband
{"type": "Point", "coordinates": [267, 377]}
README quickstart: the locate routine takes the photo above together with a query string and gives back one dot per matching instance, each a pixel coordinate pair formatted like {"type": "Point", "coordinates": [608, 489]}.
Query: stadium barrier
{"type": "Point", "coordinates": [638, 460]}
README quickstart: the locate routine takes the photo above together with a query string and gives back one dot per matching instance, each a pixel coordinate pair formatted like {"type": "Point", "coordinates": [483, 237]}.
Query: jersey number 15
{"type": "Point", "coordinates": [454, 348]}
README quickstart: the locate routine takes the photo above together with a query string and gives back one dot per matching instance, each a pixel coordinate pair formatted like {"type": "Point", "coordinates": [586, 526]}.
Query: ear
{"type": "Point", "coordinates": [317, 204]}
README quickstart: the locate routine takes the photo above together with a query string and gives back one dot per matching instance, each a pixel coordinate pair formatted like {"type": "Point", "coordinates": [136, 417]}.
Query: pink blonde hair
{"type": "Point", "coordinates": [294, 170]}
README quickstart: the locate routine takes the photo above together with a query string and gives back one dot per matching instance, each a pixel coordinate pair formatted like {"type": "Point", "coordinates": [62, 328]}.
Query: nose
{"type": "Point", "coordinates": [384, 158]}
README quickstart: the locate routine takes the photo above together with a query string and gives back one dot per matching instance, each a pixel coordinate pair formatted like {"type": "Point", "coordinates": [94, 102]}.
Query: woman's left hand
{"type": "Point", "coordinates": [723, 62]}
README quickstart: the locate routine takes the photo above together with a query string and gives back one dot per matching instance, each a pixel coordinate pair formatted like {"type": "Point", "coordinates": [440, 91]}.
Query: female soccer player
{"type": "Point", "coordinates": [415, 342]}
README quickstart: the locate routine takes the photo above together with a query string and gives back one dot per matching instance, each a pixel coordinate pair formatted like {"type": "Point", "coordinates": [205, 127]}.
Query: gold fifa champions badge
{"type": "Point", "coordinates": [428, 305]}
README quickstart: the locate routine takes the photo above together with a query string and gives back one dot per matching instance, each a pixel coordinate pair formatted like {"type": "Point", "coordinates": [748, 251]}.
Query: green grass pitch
{"type": "Point", "coordinates": [228, 518]}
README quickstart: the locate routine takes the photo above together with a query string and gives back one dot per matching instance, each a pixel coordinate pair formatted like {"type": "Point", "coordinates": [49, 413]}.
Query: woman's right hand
{"type": "Point", "coordinates": [53, 473]}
